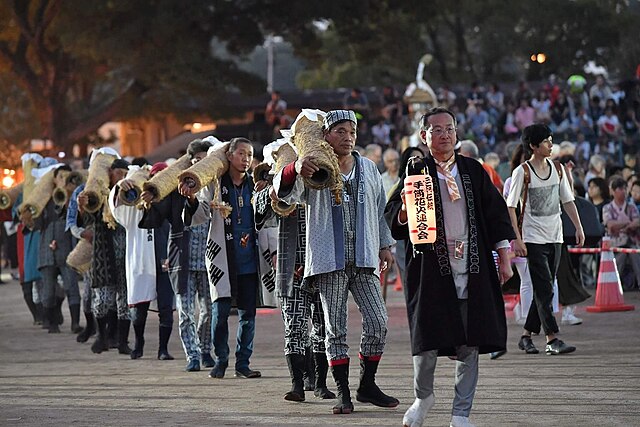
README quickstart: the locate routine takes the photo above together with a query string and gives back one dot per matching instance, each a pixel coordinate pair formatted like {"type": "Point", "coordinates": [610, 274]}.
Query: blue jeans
{"type": "Point", "coordinates": [246, 300]}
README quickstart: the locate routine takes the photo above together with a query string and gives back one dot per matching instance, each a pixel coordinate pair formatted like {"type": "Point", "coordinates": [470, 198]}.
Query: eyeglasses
{"type": "Point", "coordinates": [441, 131]}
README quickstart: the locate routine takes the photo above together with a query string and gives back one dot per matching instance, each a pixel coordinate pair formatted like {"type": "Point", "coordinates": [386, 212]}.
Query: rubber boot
{"type": "Point", "coordinates": [53, 320]}
{"type": "Point", "coordinates": [59, 316]}
{"type": "Point", "coordinates": [101, 344]}
{"type": "Point", "coordinates": [74, 311]}
{"type": "Point", "coordinates": [123, 336]}
{"type": "Point", "coordinates": [341, 377]}
{"type": "Point", "coordinates": [89, 329]}
{"type": "Point", "coordinates": [139, 323]}
{"type": "Point", "coordinates": [368, 391]}
{"type": "Point", "coordinates": [39, 314]}
{"type": "Point", "coordinates": [322, 367]}
{"type": "Point", "coordinates": [296, 363]}
{"type": "Point", "coordinates": [164, 334]}
{"type": "Point", "coordinates": [112, 329]}
{"type": "Point", "coordinates": [32, 307]}
{"type": "Point", "coordinates": [309, 370]}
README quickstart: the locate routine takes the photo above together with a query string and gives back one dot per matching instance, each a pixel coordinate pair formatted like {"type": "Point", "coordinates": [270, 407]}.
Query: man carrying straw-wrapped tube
{"type": "Point", "coordinates": [108, 278]}
{"type": "Point", "coordinates": [348, 243]}
{"type": "Point", "coordinates": [55, 245]}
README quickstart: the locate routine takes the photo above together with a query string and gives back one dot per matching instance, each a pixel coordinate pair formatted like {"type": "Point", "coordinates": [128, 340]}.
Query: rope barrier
{"type": "Point", "coordinates": [598, 250]}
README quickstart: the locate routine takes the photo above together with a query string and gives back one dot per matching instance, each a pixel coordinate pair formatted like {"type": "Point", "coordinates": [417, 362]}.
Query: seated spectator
{"type": "Point", "coordinates": [446, 97]}
{"type": "Point", "coordinates": [391, 175]}
{"type": "Point", "coordinates": [524, 115]}
{"type": "Point", "coordinates": [630, 123]}
{"type": "Point", "coordinates": [381, 133]}
{"type": "Point", "coordinates": [542, 105]}
{"type": "Point", "coordinates": [622, 221]}
{"type": "Point", "coordinates": [561, 114]}
{"type": "Point", "coordinates": [477, 118]}
{"type": "Point", "coordinates": [635, 193]}
{"type": "Point", "coordinates": [583, 123]}
{"type": "Point", "coordinates": [609, 125]}
{"type": "Point", "coordinates": [357, 101]}
{"type": "Point", "coordinates": [475, 95]}
{"type": "Point", "coordinates": [600, 89]}
{"type": "Point", "coordinates": [598, 193]}
{"type": "Point", "coordinates": [373, 152]}
{"type": "Point", "coordinates": [494, 101]}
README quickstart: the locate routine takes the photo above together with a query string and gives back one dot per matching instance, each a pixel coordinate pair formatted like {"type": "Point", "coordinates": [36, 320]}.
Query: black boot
{"type": "Point", "coordinates": [164, 335]}
{"type": "Point", "coordinates": [53, 320]}
{"type": "Point", "coordinates": [139, 323]}
{"type": "Point", "coordinates": [309, 370]}
{"type": "Point", "coordinates": [46, 321]}
{"type": "Point", "coordinates": [368, 391]}
{"type": "Point", "coordinates": [341, 377]}
{"type": "Point", "coordinates": [33, 308]}
{"type": "Point", "coordinates": [59, 316]}
{"type": "Point", "coordinates": [89, 329]}
{"type": "Point", "coordinates": [74, 310]}
{"type": "Point", "coordinates": [322, 366]}
{"type": "Point", "coordinates": [123, 336]}
{"type": "Point", "coordinates": [100, 344]}
{"type": "Point", "coordinates": [39, 314]}
{"type": "Point", "coordinates": [112, 329]}
{"type": "Point", "coordinates": [296, 364]}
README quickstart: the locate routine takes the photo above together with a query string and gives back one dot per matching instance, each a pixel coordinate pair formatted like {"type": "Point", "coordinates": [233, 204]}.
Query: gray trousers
{"type": "Point", "coordinates": [334, 290]}
{"type": "Point", "coordinates": [50, 283]}
{"type": "Point", "coordinates": [195, 340]}
{"type": "Point", "coordinates": [424, 366]}
{"type": "Point", "coordinates": [86, 292]}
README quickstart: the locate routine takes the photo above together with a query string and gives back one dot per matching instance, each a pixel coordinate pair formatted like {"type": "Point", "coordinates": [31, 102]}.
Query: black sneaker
{"type": "Point", "coordinates": [558, 347]}
{"type": "Point", "coordinates": [247, 373]}
{"type": "Point", "coordinates": [526, 344]}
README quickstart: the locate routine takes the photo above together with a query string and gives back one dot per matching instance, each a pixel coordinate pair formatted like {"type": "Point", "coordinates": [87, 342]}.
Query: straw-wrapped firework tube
{"type": "Point", "coordinates": [8, 196]}
{"type": "Point", "coordinates": [29, 180]}
{"type": "Point", "coordinates": [107, 215]}
{"type": "Point", "coordinates": [131, 197]}
{"type": "Point", "coordinates": [309, 141]}
{"type": "Point", "coordinates": [283, 156]}
{"type": "Point", "coordinates": [166, 181]}
{"type": "Point", "coordinates": [61, 195]}
{"type": "Point", "coordinates": [39, 197]}
{"type": "Point", "coordinates": [206, 170]}
{"type": "Point", "coordinates": [81, 256]}
{"type": "Point", "coordinates": [97, 187]}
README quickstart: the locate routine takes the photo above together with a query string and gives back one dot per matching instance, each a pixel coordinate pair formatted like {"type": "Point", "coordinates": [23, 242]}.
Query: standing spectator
{"type": "Point", "coordinates": [446, 96]}
{"type": "Point", "coordinates": [542, 105]}
{"type": "Point", "coordinates": [469, 149]}
{"type": "Point", "coordinates": [541, 235]}
{"type": "Point", "coordinates": [622, 221]}
{"type": "Point", "coordinates": [523, 92]}
{"type": "Point", "coordinates": [275, 110]}
{"type": "Point", "coordinates": [390, 177]}
{"type": "Point", "coordinates": [373, 152]}
{"type": "Point", "coordinates": [598, 193]}
{"type": "Point", "coordinates": [475, 95]}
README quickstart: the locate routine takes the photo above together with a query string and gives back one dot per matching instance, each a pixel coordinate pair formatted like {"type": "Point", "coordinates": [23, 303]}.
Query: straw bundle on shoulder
{"type": "Point", "coordinates": [36, 201]}
{"type": "Point", "coordinates": [283, 156]}
{"type": "Point", "coordinates": [206, 170]}
{"type": "Point", "coordinates": [61, 195]}
{"type": "Point", "coordinates": [97, 187]}
{"type": "Point", "coordinates": [166, 181]}
{"type": "Point", "coordinates": [138, 178]}
{"type": "Point", "coordinates": [309, 141]}
{"type": "Point", "coordinates": [8, 196]}
{"type": "Point", "coordinates": [29, 180]}
{"type": "Point", "coordinates": [81, 256]}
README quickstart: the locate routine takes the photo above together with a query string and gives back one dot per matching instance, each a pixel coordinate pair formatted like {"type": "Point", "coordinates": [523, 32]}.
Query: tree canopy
{"type": "Point", "coordinates": [67, 67]}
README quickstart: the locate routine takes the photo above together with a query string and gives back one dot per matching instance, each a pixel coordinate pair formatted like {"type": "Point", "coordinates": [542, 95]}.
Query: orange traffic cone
{"type": "Point", "coordinates": [609, 295]}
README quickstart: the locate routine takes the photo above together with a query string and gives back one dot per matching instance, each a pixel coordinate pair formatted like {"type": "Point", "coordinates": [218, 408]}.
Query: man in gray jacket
{"type": "Point", "coordinates": [346, 243]}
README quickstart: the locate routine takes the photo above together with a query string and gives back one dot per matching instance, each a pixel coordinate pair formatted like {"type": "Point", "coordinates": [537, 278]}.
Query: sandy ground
{"type": "Point", "coordinates": [52, 380]}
